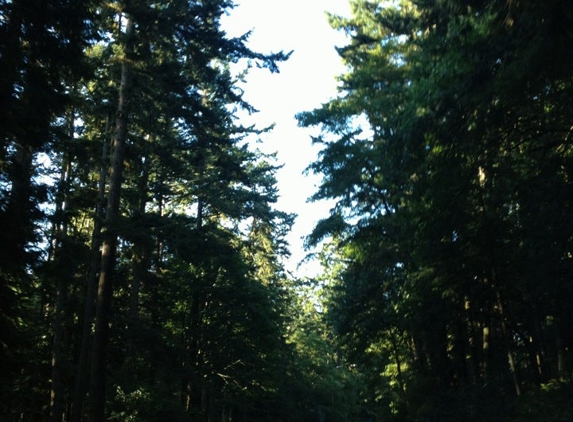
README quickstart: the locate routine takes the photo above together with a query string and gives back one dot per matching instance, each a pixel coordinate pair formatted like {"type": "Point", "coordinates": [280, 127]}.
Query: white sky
{"type": "Point", "coordinates": [305, 81]}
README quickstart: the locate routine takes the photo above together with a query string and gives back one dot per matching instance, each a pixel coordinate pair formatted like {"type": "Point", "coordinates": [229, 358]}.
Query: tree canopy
{"type": "Point", "coordinates": [141, 274]}
{"type": "Point", "coordinates": [142, 254]}
{"type": "Point", "coordinates": [448, 153]}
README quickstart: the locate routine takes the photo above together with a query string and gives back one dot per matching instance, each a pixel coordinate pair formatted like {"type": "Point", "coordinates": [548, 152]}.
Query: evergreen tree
{"type": "Point", "coordinates": [462, 120]}
{"type": "Point", "coordinates": [150, 186]}
{"type": "Point", "coordinates": [41, 56]}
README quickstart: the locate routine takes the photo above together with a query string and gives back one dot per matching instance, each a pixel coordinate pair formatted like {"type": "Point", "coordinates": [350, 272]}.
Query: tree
{"type": "Point", "coordinates": [180, 74]}
{"type": "Point", "coordinates": [189, 211]}
{"type": "Point", "coordinates": [461, 121]}
{"type": "Point", "coordinates": [41, 54]}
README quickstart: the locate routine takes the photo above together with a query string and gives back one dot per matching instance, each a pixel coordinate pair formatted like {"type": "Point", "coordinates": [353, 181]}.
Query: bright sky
{"type": "Point", "coordinates": [305, 81]}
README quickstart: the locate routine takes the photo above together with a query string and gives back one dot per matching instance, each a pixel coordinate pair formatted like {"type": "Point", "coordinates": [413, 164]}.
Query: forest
{"type": "Point", "coordinates": [142, 252]}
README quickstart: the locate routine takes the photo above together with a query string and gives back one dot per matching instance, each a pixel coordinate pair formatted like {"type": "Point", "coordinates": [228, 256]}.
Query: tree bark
{"type": "Point", "coordinates": [507, 340]}
{"type": "Point", "coordinates": [60, 232]}
{"type": "Point", "coordinates": [91, 282]}
{"type": "Point", "coordinates": [109, 244]}
{"type": "Point", "coordinates": [139, 262]}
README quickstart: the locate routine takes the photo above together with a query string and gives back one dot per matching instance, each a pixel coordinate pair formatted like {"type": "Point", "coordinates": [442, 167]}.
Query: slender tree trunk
{"type": "Point", "coordinates": [506, 337]}
{"type": "Point", "coordinates": [199, 213]}
{"type": "Point", "coordinates": [491, 252]}
{"type": "Point", "coordinates": [56, 400]}
{"type": "Point", "coordinates": [460, 345]}
{"type": "Point", "coordinates": [109, 244]}
{"type": "Point", "coordinates": [562, 330]}
{"type": "Point", "coordinates": [91, 283]}
{"type": "Point", "coordinates": [418, 354]}
{"type": "Point", "coordinates": [561, 352]}
{"type": "Point", "coordinates": [533, 348]}
{"type": "Point", "coordinates": [60, 231]}
{"type": "Point", "coordinates": [139, 262]}
{"type": "Point", "coordinates": [540, 352]}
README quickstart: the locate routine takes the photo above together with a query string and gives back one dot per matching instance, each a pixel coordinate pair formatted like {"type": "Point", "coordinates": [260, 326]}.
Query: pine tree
{"type": "Point", "coordinates": [461, 121]}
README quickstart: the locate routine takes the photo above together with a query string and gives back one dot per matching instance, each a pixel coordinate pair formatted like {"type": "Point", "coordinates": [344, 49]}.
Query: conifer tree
{"type": "Point", "coordinates": [460, 122]}
{"type": "Point", "coordinates": [139, 118]}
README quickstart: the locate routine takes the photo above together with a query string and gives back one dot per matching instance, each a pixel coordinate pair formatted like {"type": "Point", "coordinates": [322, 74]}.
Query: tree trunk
{"type": "Point", "coordinates": [109, 244]}
{"type": "Point", "coordinates": [561, 353]}
{"type": "Point", "coordinates": [140, 260]}
{"type": "Point", "coordinates": [56, 400]}
{"type": "Point", "coordinates": [60, 232]}
{"type": "Point", "coordinates": [91, 282]}
{"type": "Point", "coordinates": [507, 340]}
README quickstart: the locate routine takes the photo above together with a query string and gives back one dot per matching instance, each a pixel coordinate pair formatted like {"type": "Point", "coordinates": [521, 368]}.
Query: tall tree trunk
{"type": "Point", "coordinates": [534, 349]}
{"type": "Point", "coordinates": [91, 283]}
{"type": "Point", "coordinates": [56, 400]}
{"type": "Point", "coordinates": [490, 237]}
{"type": "Point", "coordinates": [561, 352]}
{"type": "Point", "coordinates": [562, 330]}
{"type": "Point", "coordinates": [507, 340]}
{"type": "Point", "coordinates": [109, 244]}
{"type": "Point", "coordinates": [60, 232]}
{"type": "Point", "coordinates": [140, 259]}
{"type": "Point", "coordinates": [540, 349]}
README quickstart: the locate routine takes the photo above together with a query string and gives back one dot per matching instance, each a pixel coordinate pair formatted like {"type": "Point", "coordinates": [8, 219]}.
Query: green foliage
{"type": "Point", "coordinates": [449, 282]}
{"type": "Point", "coordinates": [319, 384]}
{"type": "Point", "coordinates": [448, 252]}
{"type": "Point", "coordinates": [550, 402]}
{"type": "Point", "coordinates": [196, 321]}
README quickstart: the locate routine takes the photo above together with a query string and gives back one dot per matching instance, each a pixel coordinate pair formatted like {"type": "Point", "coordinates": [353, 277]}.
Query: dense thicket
{"type": "Point", "coordinates": [449, 154]}
{"type": "Point", "coordinates": [140, 270]}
